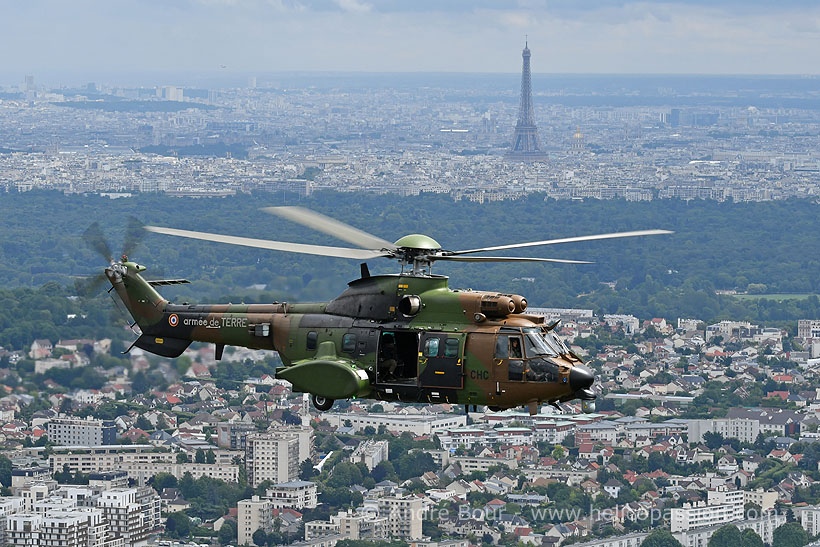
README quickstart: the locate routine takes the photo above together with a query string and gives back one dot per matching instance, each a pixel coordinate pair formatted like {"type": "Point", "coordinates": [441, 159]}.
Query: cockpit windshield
{"type": "Point", "coordinates": [536, 345]}
{"type": "Point", "coordinates": [543, 342]}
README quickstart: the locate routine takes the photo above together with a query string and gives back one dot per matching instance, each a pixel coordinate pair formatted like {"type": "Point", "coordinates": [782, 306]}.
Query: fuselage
{"type": "Point", "coordinates": [390, 337]}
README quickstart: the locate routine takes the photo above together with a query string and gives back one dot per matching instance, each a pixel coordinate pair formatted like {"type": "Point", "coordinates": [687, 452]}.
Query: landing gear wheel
{"type": "Point", "coordinates": [495, 408]}
{"type": "Point", "coordinates": [321, 403]}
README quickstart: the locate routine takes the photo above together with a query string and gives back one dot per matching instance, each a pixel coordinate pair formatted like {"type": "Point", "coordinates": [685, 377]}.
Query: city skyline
{"type": "Point", "coordinates": [234, 36]}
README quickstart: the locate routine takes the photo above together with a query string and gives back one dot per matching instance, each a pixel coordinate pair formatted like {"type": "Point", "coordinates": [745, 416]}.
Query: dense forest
{"type": "Point", "coordinates": [763, 248]}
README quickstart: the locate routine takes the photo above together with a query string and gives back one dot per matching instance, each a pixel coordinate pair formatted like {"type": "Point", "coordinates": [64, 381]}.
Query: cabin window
{"type": "Point", "coordinates": [451, 347]}
{"type": "Point", "coordinates": [349, 343]}
{"type": "Point", "coordinates": [431, 347]}
{"type": "Point", "coordinates": [516, 370]}
{"type": "Point", "coordinates": [312, 337]}
{"type": "Point", "coordinates": [501, 347]}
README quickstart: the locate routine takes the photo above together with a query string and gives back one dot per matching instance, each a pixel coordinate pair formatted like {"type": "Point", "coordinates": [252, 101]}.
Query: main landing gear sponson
{"type": "Point", "coordinates": [321, 403]}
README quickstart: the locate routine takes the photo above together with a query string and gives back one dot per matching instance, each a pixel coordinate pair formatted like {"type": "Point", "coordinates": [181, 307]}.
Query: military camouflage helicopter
{"type": "Point", "coordinates": [402, 337]}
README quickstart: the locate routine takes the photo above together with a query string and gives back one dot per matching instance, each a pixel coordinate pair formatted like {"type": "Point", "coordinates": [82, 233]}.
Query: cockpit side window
{"type": "Point", "coordinates": [516, 370]}
{"type": "Point", "coordinates": [516, 351]}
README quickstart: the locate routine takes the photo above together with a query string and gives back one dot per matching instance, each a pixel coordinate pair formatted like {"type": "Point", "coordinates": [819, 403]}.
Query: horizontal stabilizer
{"type": "Point", "coordinates": [163, 282]}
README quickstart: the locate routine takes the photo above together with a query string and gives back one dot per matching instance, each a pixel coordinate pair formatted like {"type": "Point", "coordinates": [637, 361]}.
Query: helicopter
{"type": "Point", "coordinates": [404, 337]}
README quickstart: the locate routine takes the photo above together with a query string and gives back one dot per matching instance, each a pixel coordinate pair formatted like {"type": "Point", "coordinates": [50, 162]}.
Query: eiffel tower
{"type": "Point", "coordinates": [526, 144]}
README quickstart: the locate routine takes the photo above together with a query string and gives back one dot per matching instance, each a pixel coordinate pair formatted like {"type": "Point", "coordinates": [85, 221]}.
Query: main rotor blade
{"type": "Point", "coordinates": [563, 240]}
{"type": "Point", "coordinates": [506, 259]}
{"type": "Point", "coordinates": [339, 252]}
{"type": "Point", "coordinates": [330, 226]}
{"type": "Point", "coordinates": [133, 236]}
{"type": "Point", "coordinates": [95, 239]}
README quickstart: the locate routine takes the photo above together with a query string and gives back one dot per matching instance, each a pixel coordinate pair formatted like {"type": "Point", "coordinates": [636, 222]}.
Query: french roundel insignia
{"type": "Point", "coordinates": [173, 320]}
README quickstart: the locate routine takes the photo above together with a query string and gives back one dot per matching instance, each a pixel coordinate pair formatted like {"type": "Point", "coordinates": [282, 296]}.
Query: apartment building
{"type": "Point", "coordinates": [809, 518]}
{"type": "Point", "coordinates": [272, 456]}
{"type": "Point", "coordinates": [403, 514]}
{"type": "Point", "coordinates": [251, 515]}
{"type": "Point", "coordinates": [348, 525]}
{"type": "Point", "coordinates": [371, 453]}
{"type": "Point", "coordinates": [232, 435]}
{"type": "Point", "coordinates": [293, 495]}
{"type": "Point", "coordinates": [304, 434]}
{"type": "Point", "coordinates": [700, 514]}
{"type": "Point", "coordinates": [743, 429]}
{"type": "Point", "coordinates": [78, 527]}
{"type": "Point", "coordinates": [131, 513]}
{"type": "Point", "coordinates": [78, 431]}
{"type": "Point", "coordinates": [425, 424]}
{"type": "Point", "coordinates": [140, 462]}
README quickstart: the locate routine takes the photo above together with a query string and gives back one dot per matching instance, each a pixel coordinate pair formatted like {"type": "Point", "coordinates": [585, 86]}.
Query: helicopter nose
{"type": "Point", "coordinates": [580, 377]}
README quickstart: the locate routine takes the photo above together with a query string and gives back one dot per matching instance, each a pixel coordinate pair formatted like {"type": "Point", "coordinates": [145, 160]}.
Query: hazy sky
{"type": "Point", "coordinates": [587, 36]}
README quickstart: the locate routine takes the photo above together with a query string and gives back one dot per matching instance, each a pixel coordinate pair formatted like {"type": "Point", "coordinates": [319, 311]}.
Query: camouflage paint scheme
{"type": "Point", "coordinates": [331, 349]}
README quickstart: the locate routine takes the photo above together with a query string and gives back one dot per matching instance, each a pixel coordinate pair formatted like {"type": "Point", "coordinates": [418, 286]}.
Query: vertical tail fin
{"type": "Point", "coordinates": [144, 303]}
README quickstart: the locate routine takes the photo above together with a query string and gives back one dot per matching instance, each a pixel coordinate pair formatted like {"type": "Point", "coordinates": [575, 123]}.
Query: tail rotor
{"type": "Point", "coordinates": [95, 239]}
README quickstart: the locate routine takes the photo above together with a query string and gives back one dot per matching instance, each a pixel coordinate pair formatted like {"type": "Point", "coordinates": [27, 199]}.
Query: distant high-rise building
{"type": "Point", "coordinates": [170, 93]}
{"type": "Point", "coordinates": [29, 85]}
{"type": "Point", "coordinates": [251, 82]}
{"type": "Point", "coordinates": [578, 142]}
{"type": "Point", "coordinates": [674, 117]}
{"type": "Point", "coordinates": [526, 144]}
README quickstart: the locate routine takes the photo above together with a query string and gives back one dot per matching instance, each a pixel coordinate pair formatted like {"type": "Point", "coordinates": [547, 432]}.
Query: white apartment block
{"type": "Point", "coordinates": [272, 457]}
{"type": "Point", "coordinates": [371, 453]}
{"type": "Point", "coordinates": [348, 525]}
{"type": "Point", "coordinates": [79, 431]}
{"type": "Point", "coordinates": [553, 432]}
{"type": "Point", "coordinates": [251, 515]}
{"type": "Point", "coordinates": [8, 506]}
{"type": "Point", "coordinates": [70, 527]}
{"type": "Point", "coordinates": [404, 516]}
{"type": "Point", "coordinates": [629, 323]}
{"type": "Point", "coordinates": [765, 499]}
{"type": "Point", "coordinates": [724, 496]}
{"type": "Point", "coordinates": [131, 513]}
{"type": "Point", "coordinates": [293, 495]}
{"type": "Point", "coordinates": [142, 472]}
{"type": "Point", "coordinates": [416, 424]}
{"type": "Point", "coordinates": [469, 464]}
{"type": "Point", "coordinates": [141, 462]}
{"type": "Point", "coordinates": [809, 518]}
{"type": "Point", "coordinates": [808, 328]}
{"type": "Point", "coordinates": [90, 459]}
{"type": "Point", "coordinates": [762, 498]}
{"type": "Point", "coordinates": [743, 429]}
{"type": "Point", "coordinates": [697, 537]}
{"type": "Point", "coordinates": [304, 434]}
{"type": "Point", "coordinates": [701, 514]}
